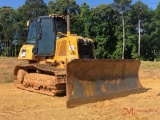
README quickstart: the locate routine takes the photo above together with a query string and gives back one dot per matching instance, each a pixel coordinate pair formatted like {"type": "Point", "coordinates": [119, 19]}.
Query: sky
{"type": "Point", "coordinates": [92, 3]}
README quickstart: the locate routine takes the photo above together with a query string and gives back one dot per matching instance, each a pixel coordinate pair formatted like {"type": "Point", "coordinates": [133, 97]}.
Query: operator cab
{"type": "Point", "coordinates": [42, 32]}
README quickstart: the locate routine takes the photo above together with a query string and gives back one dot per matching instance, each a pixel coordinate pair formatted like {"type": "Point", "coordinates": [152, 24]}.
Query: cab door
{"type": "Point", "coordinates": [46, 37]}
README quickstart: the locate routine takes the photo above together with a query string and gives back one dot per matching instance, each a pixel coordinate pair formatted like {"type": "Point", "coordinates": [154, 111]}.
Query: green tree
{"type": "Point", "coordinates": [137, 16]}
{"type": "Point", "coordinates": [59, 6]}
{"type": "Point", "coordinates": [122, 6]}
{"type": "Point", "coordinates": [80, 24]}
{"type": "Point", "coordinates": [102, 30]}
{"type": "Point", "coordinates": [34, 8]}
{"type": "Point", "coordinates": [7, 19]}
{"type": "Point", "coordinates": [151, 37]}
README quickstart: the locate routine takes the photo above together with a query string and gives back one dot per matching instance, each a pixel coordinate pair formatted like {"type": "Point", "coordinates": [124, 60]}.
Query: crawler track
{"type": "Point", "coordinates": [41, 78]}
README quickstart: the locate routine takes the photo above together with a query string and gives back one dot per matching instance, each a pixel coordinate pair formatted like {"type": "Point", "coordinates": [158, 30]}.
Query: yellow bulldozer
{"type": "Point", "coordinates": [61, 63]}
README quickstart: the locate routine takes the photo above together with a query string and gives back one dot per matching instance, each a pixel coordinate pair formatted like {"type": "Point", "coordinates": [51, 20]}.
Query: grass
{"type": "Point", "coordinates": [7, 66]}
{"type": "Point", "coordinates": [152, 65]}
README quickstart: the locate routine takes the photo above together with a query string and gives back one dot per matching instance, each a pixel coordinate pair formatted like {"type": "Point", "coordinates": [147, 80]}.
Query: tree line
{"type": "Point", "coordinates": [121, 29]}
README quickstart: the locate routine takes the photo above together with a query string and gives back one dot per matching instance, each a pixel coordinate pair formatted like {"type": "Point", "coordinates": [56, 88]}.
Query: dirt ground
{"type": "Point", "coordinates": [17, 104]}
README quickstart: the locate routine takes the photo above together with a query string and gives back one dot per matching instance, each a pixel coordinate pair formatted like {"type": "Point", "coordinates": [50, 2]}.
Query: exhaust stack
{"type": "Point", "coordinates": [68, 22]}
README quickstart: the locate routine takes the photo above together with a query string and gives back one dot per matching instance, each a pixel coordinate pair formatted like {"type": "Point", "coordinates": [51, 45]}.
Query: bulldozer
{"type": "Point", "coordinates": [61, 63]}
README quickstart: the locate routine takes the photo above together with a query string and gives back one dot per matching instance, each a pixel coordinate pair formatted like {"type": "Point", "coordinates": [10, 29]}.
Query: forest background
{"type": "Point", "coordinates": [121, 29]}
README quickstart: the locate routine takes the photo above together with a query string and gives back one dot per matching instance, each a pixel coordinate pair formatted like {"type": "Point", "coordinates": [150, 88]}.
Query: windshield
{"type": "Point", "coordinates": [32, 32]}
{"type": "Point", "coordinates": [61, 25]}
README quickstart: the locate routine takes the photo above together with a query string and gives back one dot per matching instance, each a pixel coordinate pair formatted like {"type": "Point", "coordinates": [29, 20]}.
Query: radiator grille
{"type": "Point", "coordinates": [85, 49]}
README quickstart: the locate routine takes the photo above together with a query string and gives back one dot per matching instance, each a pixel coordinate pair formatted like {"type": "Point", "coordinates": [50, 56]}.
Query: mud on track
{"type": "Point", "coordinates": [17, 104]}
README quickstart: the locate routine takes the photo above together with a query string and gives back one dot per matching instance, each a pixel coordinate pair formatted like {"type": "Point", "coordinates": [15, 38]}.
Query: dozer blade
{"type": "Point", "coordinates": [101, 79]}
